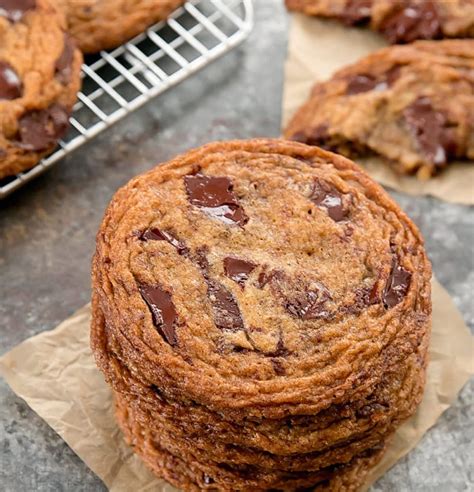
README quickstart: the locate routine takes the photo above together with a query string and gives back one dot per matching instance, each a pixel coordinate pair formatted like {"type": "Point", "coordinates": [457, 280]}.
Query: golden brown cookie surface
{"type": "Point", "coordinates": [39, 79]}
{"type": "Point", "coordinates": [412, 105]}
{"type": "Point", "coordinates": [400, 21]}
{"type": "Point", "coordinates": [262, 311]}
{"type": "Point", "coordinates": [104, 24]}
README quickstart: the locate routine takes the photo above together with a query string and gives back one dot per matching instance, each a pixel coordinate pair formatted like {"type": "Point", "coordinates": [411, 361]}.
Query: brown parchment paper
{"type": "Point", "coordinates": [55, 373]}
{"type": "Point", "coordinates": [316, 49]}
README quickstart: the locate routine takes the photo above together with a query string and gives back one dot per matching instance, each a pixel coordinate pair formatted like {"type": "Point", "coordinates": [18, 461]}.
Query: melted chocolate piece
{"type": "Point", "coordinates": [155, 234]}
{"type": "Point", "coordinates": [40, 130]}
{"type": "Point", "coordinates": [10, 83]}
{"type": "Point", "coordinates": [309, 305]}
{"type": "Point", "coordinates": [327, 197]}
{"type": "Point", "coordinates": [215, 197]}
{"type": "Point", "coordinates": [63, 69]}
{"type": "Point", "coordinates": [429, 128]}
{"type": "Point", "coordinates": [14, 10]}
{"type": "Point", "coordinates": [226, 311]}
{"type": "Point", "coordinates": [411, 22]}
{"type": "Point", "coordinates": [357, 12]}
{"type": "Point", "coordinates": [360, 83]}
{"type": "Point", "coordinates": [238, 270]}
{"type": "Point", "coordinates": [397, 285]}
{"type": "Point", "coordinates": [301, 301]}
{"type": "Point", "coordinates": [162, 310]}
{"type": "Point", "coordinates": [363, 297]}
{"type": "Point", "coordinates": [278, 367]}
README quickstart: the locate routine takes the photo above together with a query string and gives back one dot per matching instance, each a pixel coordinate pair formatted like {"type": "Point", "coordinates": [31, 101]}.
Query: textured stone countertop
{"type": "Point", "coordinates": [47, 234]}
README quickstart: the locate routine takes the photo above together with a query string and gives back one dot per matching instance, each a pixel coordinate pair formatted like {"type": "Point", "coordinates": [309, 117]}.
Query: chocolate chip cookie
{"type": "Point", "coordinates": [262, 312]}
{"type": "Point", "coordinates": [413, 105]}
{"type": "Point", "coordinates": [104, 24]}
{"type": "Point", "coordinates": [39, 79]}
{"type": "Point", "coordinates": [400, 21]}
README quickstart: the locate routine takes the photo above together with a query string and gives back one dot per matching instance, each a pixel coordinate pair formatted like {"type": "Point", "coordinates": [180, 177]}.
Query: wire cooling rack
{"type": "Point", "coordinates": [118, 82]}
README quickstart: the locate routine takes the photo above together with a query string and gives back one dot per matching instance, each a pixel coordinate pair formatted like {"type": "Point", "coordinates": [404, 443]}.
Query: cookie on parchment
{"type": "Point", "coordinates": [104, 24]}
{"type": "Point", "coordinates": [39, 79]}
{"type": "Point", "coordinates": [413, 105]}
{"type": "Point", "coordinates": [262, 311]}
{"type": "Point", "coordinates": [400, 21]}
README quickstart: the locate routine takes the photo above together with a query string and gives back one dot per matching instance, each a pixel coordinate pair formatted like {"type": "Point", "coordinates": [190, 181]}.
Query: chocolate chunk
{"type": "Point", "coordinates": [63, 68]}
{"type": "Point", "coordinates": [238, 270]}
{"type": "Point", "coordinates": [226, 311]}
{"type": "Point", "coordinates": [309, 305]}
{"type": "Point", "coordinates": [278, 367]}
{"type": "Point", "coordinates": [357, 12]}
{"type": "Point", "coordinates": [397, 285]}
{"type": "Point", "coordinates": [265, 277]}
{"type": "Point", "coordinates": [155, 234]}
{"type": "Point", "coordinates": [162, 310]}
{"type": "Point", "coordinates": [215, 197]}
{"type": "Point", "coordinates": [329, 198]}
{"type": "Point", "coordinates": [359, 83]}
{"type": "Point", "coordinates": [411, 22]}
{"type": "Point", "coordinates": [10, 83]}
{"type": "Point", "coordinates": [303, 301]}
{"type": "Point", "coordinates": [430, 129]}
{"type": "Point", "coordinates": [40, 130]}
{"type": "Point", "coordinates": [14, 10]}
{"type": "Point", "coordinates": [364, 83]}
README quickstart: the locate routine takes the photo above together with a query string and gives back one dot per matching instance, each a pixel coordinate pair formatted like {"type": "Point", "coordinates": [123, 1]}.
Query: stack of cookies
{"type": "Point", "coordinates": [262, 312]}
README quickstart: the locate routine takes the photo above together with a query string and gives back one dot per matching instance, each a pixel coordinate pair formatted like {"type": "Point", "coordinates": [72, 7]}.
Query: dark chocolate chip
{"type": "Point", "coordinates": [40, 130]}
{"type": "Point", "coordinates": [214, 196]}
{"type": "Point", "coordinates": [14, 10]}
{"type": "Point", "coordinates": [265, 277]}
{"type": "Point", "coordinates": [163, 311]}
{"type": "Point", "coordinates": [278, 367]}
{"type": "Point", "coordinates": [226, 311]}
{"type": "Point", "coordinates": [357, 12]}
{"type": "Point", "coordinates": [238, 270]}
{"type": "Point", "coordinates": [429, 128]}
{"type": "Point", "coordinates": [364, 83]}
{"type": "Point", "coordinates": [155, 234]}
{"type": "Point", "coordinates": [408, 23]}
{"type": "Point", "coordinates": [202, 262]}
{"type": "Point", "coordinates": [359, 83]}
{"type": "Point", "coordinates": [309, 305]}
{"type": "Point", "coordinates": [10, 83]}
{"type": "Point", "coordinates": [397, 285]}
{"type": "Point", "coordinates": [63, 67]}
{"type": "Point", "coordinates": [329, 198]}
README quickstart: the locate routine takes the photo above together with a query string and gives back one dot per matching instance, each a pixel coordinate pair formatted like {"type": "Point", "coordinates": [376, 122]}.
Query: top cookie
{"type": "Point", "coordinates": [400, 21]}
{"type": "Point", "coordinates": [266, 269]}
{"type": "Point", "coordinates": [39, 79]}
{"type": "Point", "coordinates": [104, 24]}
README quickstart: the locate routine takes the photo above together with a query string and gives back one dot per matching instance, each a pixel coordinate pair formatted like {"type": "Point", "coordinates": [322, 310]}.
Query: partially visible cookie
{"type": "Point", "coordinates": [412, 105]}
{"type": "Point", "coordinates": [400, 21]}
{"type": "Point", "coordinates": [39, 78]}
{"type": "Point", "coordinates": [104, 24]}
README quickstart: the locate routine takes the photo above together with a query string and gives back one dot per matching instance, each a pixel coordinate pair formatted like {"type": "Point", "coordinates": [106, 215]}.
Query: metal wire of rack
{"type": "Point", "coordinates": [118, 82]}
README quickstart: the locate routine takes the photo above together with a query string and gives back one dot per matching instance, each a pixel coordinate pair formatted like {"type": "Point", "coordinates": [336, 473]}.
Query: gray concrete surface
{"type": "Point", "coordinates": [47, 237]}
